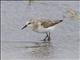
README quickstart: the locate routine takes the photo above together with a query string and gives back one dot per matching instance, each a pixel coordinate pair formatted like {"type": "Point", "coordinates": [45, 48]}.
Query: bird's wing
{"type": "Point", "coordinates": [49, 23]}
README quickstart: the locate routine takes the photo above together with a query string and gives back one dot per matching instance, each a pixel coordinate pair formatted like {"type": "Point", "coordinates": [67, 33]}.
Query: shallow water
{"type": "Point", "coordinates": [25, 44]}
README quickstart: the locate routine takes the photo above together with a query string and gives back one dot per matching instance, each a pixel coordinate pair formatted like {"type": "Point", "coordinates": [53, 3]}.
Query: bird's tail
{"type": "Point", "coordinates": [58, 21]}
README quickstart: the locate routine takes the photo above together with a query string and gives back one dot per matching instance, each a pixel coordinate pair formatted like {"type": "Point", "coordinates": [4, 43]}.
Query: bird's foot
{"type": "Point", "coordinates": [43, 40]}
{"type": "Point", "coordinates": [48, 39]}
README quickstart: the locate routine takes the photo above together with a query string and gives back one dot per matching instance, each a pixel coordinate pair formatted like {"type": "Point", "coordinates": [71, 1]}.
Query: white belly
{"type": "Point", "coordinates": [44, 30]}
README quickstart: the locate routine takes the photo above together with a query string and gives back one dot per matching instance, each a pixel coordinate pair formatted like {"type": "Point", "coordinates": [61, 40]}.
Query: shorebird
{"type": "Point", "coordinates": [42, 26]}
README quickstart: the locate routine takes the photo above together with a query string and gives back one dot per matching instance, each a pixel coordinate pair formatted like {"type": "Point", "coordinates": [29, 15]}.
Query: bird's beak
{"type": "Point", "coordinates": [23, 27]}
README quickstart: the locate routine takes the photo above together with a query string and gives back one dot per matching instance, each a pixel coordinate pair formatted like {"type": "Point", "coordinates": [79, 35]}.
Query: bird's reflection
{"type": "Point", "coordinates": [41, 49]}
{"type": "Point", "coordinates": [32, 49]}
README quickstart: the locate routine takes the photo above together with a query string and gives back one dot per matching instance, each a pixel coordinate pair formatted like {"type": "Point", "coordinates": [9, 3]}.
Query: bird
{"type": "Point", "coordinates": [42, 26]}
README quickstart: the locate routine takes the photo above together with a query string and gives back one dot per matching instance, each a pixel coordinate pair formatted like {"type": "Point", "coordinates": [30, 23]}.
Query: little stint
{"type": "Point", "coordinates": [42, 26]}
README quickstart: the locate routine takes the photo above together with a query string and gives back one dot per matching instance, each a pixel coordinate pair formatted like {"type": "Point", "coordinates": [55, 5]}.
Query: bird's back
{"type": "Point", "coordinates": [48, 23]}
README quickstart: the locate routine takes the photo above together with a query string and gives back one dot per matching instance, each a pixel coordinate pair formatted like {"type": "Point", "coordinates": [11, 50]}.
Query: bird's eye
{"type": "Point", "coordinates": [29, 23]}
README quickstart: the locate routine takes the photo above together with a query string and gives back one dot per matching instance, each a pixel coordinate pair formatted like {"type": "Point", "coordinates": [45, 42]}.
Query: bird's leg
{"type": "Point", "coordinates": [46, 37]}
{"type": "Point", "coordinates": [49, 37]}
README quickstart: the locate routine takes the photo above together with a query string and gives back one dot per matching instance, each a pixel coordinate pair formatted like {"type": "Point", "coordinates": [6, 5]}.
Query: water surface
{"type": "Point", "coordinates": [25, 44]}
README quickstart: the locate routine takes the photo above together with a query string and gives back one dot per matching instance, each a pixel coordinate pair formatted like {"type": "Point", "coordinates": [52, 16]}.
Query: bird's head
{"type": "Point", "coordinates": [28, 24]}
